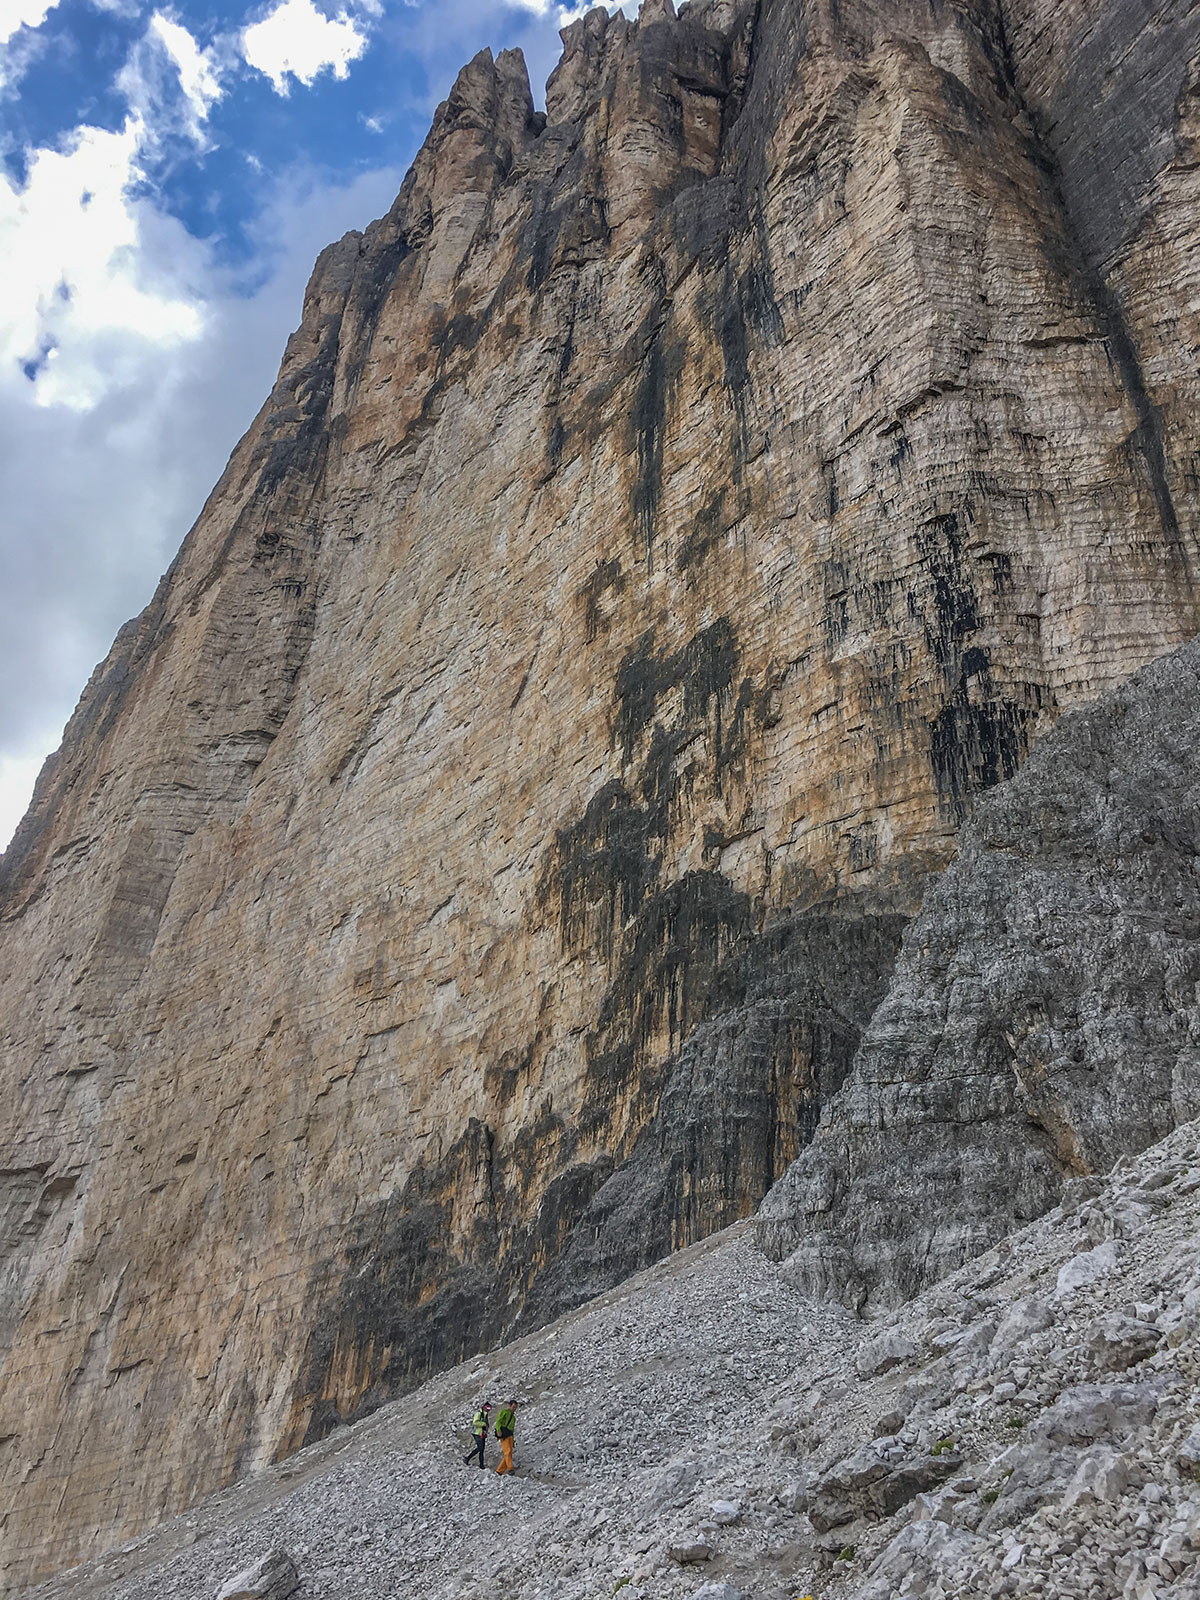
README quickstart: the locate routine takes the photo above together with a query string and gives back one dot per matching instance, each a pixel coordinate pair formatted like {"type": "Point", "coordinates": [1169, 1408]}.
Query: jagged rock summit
{"type": "Point", "coordinates": [474, 872]}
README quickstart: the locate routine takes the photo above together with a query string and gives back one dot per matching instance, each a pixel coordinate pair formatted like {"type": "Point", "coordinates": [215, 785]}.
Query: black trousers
{"type": "Point", "coordinates": [480, 1441]}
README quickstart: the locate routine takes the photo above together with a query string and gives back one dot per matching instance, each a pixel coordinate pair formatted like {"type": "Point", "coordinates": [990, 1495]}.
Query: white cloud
{"type": "Point", "coordinates": [171, 84]}
{"type": "Point", "coordinates": [298, 41]}
{"type": "Point", "coordinates": [81, 300]}
{"type": "Point", "coordinates": [199, 74]}
{"type": "Point", "coordinates": [16, 14]}
{"type": "Point", "coordinates": [20, 42]}
{"type": "Point", "coordinates": [563, 14]}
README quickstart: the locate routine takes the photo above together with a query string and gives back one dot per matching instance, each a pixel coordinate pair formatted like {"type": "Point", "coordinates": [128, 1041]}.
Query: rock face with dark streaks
{"type": "Point", "coordinates": [1044, 1018]}
{"type": "Point", "coordinates": [475, 870]}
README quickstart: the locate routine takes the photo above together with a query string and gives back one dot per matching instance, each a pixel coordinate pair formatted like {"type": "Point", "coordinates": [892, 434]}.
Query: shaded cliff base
{"type": "Point", "coordinates": [772, 1026]}
{"type": "Point", "coordinates": [1028, 1427]}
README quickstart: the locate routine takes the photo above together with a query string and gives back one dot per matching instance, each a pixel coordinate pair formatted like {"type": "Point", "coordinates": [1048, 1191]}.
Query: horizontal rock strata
{"type": "Point", "coordinates": [473, 872]}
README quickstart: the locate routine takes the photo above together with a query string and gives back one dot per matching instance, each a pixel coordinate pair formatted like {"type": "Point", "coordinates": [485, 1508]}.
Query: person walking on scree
{"type": "Point", "coordinates": [506, 1427]}
{"type": "Point", "coordinates": [479, 1432]}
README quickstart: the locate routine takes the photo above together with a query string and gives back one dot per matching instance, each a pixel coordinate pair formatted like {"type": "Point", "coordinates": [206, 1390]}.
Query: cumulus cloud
{"type": "Point", "coordinates": [16, 14]}
{"type": "Point", "coordinates": [298, 41]}
{"type": "Point", "coordinates": [82, 300]}
{"type": "Point", "coordinates": [84, 297]}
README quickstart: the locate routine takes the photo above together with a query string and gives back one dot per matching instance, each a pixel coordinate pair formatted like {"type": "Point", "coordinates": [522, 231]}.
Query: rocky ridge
{"type": "Point", "coordinates": [1030, 1426]}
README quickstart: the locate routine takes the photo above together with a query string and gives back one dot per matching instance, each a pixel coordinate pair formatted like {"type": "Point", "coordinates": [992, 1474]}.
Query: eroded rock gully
{"type": "Point", "coordinates": [474, 872]}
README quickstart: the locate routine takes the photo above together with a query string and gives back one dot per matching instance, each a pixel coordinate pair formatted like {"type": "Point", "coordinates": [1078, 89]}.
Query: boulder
{"type": "Point", "coordinates": [690, 1548]}
{"type": "Point", "coordinates": [889, 1423]}
{"type": "Point", "coordinates": [1020, 1322]}
{"type": "Point", "coordinates": [1189, 1452]}
{"type": "Point", "coordinates": [674, 1484]}
{"type": "Point", "coordinates": [890, 1349]}
{"type": "Point", "coordinates": [273, 1578]}
{"type": "Point", "coordinates": [920, 1553]}
{"type": "Point", "coordinates": [868, 1484]}
{"type": "Point", "coordinates": [945, 1505]}
{"type": "Point", "coordinates": [1116, 1342]}
{"type": "Point", "coordinates": [1103, 1474]}
{"type": "Point", "coordinates": [1093, 1411]}
{"type": "Point", "coordinates": [724, 1512]}
{"type": "Point", "coordinates": [1085, 1269]}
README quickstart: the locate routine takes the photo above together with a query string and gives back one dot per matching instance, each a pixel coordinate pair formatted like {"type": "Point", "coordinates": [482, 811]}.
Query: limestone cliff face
{"type": "Point", "coordinates": [1042, 1020]}
{"type": "Point", "coordinates": [475, 870]}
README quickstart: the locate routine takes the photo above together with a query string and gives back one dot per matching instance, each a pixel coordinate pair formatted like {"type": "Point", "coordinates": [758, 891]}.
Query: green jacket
{"type": "Point", "coordinates": [479, 1424]}
{"type": "Point", "coordinates": [506, 1423]}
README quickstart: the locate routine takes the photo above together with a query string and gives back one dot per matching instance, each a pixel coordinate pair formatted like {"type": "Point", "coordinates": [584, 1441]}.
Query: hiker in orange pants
{"type": "Point", "coordinates": [506, 1427]}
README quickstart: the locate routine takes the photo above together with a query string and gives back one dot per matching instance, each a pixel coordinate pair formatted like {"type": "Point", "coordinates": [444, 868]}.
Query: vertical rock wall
{"type": "Point", "coordinates": [1042, 1019]}
{"type": "Point", "coordinates": [1113, 94]}
{"type": "Point", "coordinates": [476, 869]}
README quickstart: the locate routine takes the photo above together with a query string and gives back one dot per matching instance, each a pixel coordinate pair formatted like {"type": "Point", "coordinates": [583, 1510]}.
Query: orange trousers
{"type": "Point", "coordinates": [506, 1460]}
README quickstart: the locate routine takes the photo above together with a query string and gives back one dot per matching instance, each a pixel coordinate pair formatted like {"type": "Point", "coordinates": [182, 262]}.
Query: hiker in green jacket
{"type": "Point", "coordinates": [479, 1431]}
{"type": "Point", "coordinates": [506, 1427]}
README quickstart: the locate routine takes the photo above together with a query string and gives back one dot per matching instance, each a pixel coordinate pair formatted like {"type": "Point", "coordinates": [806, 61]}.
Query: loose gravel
{"type": "Point", "coordinates": [1028, 1427]}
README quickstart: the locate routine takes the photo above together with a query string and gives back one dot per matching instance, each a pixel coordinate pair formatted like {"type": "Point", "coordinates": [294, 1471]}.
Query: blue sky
{"type": "Point", "coordinates": [168, 174]}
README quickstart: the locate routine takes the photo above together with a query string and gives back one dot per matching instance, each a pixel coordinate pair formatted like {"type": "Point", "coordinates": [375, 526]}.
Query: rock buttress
{"type": "Point", "coordinates": [1042, 1020]}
